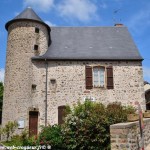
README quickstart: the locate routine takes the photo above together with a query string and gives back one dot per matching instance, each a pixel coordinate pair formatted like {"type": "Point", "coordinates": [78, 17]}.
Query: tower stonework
{"type": "Point", "coordinates": [28, 36]}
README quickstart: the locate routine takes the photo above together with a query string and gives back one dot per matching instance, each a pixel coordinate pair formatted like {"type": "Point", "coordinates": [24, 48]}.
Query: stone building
{"type": "Point", "coordinates": [50, 67]}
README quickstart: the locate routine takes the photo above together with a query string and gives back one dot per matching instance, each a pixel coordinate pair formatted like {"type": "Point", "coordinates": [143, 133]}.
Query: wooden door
{"type": "Point", "coordinates": [61, 114]}
{"type": "Point", "coordinates": [33, 123]}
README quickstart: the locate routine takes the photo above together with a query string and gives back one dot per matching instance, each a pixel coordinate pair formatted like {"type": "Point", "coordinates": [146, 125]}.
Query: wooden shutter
{"type": "Point", "coordinates": [88, 74]}
{"type": "Point", "coordinates": [110, 83]}
{"type": "Point", "coordinates": [61, 114]}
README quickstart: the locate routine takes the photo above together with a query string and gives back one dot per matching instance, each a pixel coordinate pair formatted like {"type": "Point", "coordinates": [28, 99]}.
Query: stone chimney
{"type": "Point", "coordinates": [118, 25]}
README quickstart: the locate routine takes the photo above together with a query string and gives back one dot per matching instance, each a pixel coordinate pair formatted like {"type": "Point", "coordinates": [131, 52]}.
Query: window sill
{"type": "Point", "coordinates": [98, 87]}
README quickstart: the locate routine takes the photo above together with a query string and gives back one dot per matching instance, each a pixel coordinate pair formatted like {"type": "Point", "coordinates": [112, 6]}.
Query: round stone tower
{"type": "Point", "coordinates": [28, 36]}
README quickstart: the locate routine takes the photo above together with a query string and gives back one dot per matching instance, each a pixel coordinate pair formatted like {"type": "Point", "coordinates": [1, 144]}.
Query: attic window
{"type": "Point", "coordinates": [36, 47]}
{"type": "Point", "coordinates": [36, 30]}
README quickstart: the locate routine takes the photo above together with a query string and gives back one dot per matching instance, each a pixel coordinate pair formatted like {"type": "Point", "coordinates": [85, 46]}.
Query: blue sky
{"type": "Point", "coordinates": [135, 14]}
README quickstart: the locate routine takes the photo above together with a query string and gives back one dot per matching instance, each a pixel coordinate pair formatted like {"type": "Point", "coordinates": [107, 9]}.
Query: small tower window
{"type": "Point", "coordinates": [53, 81]}
{"type": "Point", "coordinates": [33, 87]}
{"type": "Point", "coordinates": [36, 30]}
{"type": "Point", "coordinates": [36, 47]}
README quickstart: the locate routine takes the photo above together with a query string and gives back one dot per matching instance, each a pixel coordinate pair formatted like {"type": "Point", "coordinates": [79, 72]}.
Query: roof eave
{"type": "Point", "coordinates": [84, 59]}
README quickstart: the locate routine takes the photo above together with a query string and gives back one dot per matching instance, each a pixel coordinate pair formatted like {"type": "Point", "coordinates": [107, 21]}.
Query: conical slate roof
{"type": "Point", "coordinates": [28, 14]}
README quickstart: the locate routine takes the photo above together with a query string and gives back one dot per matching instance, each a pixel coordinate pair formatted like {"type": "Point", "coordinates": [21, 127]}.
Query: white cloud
{"type": "Point", "coordinates": [50, 23]}
{"type": "Point", "coordinates": [41, 5]}
{"type": "Point", "coordinates": [146, 71]}
{"type": "Point", "coordinates": [83, 10]}
{"type": "Point", "coordinates": [2, 72]}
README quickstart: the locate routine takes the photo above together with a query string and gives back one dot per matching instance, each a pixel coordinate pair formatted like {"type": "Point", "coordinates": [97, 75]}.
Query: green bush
{"type": "Point", "coordinates": [9, 129]}
{"type": "Point", "coordinates": [15, 140]}
{"type": "Point", "coordinates": [117, 113]}
{"type": "Point", "coordinates": [51, 135]}
{"type": "Point", "coordinates": [27, 140]}
{"type": "Point", "coordinates": [86, 127]}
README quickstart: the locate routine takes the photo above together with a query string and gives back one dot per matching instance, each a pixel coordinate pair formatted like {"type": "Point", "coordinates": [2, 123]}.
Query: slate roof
{"type": "Point", "coordinates": [91, 43]}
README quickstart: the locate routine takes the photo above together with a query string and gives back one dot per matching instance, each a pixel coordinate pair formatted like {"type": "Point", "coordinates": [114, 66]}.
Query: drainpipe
{"type": "Point", "coordinates": [46, 69]}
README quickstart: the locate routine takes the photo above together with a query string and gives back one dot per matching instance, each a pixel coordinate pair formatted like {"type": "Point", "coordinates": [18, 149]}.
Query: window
{"type": "Point", "coordinates": [33, 87]}
{"type": "Point", "coordinates": [98, 76]}
{"type": "Point", "coordinates": [53, 81]}
{"type": "Point", "coordinates": [36, 47]}
{"type": "Point", "coordinates": [36, 30]}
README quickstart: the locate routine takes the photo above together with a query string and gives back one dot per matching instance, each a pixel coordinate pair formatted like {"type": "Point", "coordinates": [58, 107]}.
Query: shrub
{"type": "Point", "coordinates": [28, 141]}
{"type": "Point", "coordinates": [15, 140]}
{"type": "Point", "coordinates": [117, 113]}
{"type": "Point", "coordinates": [9, 129]}
{"type": "Point", "coordinates": [51, 135]}
{"type": "Point", "coordinates": [86, 127]}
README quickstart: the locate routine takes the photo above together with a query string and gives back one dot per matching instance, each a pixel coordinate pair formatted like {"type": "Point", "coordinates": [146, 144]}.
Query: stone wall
{"type": "Point", "coordinates": [70, 85]}
{"type": "Point", "coordinates": [126, 136]}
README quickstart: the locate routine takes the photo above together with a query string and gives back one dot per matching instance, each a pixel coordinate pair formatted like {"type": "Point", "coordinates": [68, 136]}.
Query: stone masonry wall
{"type": "Point", "coordinates": [70, 85]}
{"type": "Point", "coordinates": [18, 74]}
{"type": "Point", "coordinates": [126, 136]}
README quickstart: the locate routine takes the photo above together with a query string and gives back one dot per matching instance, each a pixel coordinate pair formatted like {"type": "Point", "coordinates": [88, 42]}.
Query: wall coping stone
{"type": "Point", "coordinates": [127, 124]}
